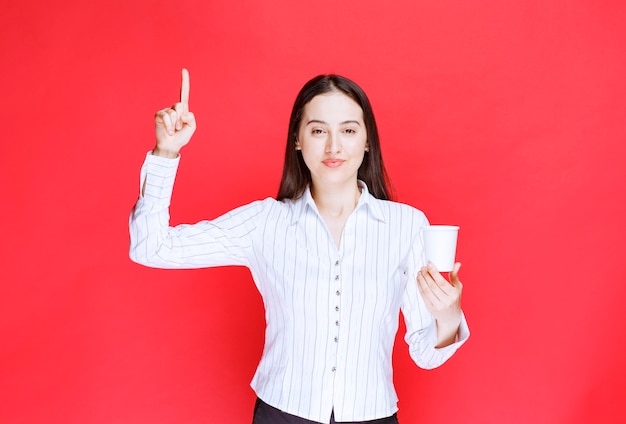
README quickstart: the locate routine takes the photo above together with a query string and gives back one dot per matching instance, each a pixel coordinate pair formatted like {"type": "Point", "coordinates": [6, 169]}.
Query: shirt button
{"type": "Point", "coordinates": [336, 339]}
{"type": "Point", "coordinates": [336, 308]}
{"type": "Point", "coordinates": [337, 292]}
{"type": "Point", "coordinates": [333, 369]}
{"type": "Point", "coordinates": [337, 323]}
{"type": "Point", "coordinates": [336, 278]}
{"type": "Point", "coordinates": [336, 263]}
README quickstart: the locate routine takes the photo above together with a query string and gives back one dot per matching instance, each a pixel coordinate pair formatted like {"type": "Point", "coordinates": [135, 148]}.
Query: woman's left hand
{"type": "Point", "coordinates": [443, 300]}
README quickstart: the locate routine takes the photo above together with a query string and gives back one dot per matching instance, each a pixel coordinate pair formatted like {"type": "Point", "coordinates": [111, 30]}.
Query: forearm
{"type": "Point", "coordinates": [149, 219]}
{"type": "Point", "coordinates": [167, 154]}
{"type": "Point", "coordinates": [427, 350]}
{"type": "Point", "coordinates": [447, 333]}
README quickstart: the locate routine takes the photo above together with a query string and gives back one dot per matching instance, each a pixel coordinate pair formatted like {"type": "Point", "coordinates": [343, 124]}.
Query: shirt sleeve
{"type": "Point", "coordinates": [421, 328]}
{"type": "Point", "coordinates": [226, 240]}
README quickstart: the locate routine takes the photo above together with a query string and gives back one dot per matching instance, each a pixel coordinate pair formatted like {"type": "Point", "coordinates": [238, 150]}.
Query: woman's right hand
{"type": "Point", "coordinates": [174, 126]}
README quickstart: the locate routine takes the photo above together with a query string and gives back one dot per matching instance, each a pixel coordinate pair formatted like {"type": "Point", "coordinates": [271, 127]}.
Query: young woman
{"type": "Point", "coordinates": [334, 260]}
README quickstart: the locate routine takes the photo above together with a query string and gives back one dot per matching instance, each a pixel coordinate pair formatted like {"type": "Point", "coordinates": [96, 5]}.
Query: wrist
{"type": "Point", "coordinates": [446, 334]}
{"type": "Point", "coordinates": [170, 154]}
{"type": "Point", "coordinates": [449, 325]}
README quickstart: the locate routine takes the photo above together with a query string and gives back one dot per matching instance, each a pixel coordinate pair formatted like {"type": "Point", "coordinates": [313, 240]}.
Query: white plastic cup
{"type": "Point", "coordinates": [440, 245]}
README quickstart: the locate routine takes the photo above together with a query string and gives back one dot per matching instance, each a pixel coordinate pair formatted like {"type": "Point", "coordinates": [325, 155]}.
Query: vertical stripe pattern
{"type": "Point", "coordinates": [331, 312]}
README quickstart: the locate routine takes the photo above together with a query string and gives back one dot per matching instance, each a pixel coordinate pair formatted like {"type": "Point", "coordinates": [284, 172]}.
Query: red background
{"type": "Point", "coordinates": [506, 118]}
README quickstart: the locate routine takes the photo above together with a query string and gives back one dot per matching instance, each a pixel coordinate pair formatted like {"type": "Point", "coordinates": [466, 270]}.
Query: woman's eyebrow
{"type": "Point", "coordinates": [318, 121]}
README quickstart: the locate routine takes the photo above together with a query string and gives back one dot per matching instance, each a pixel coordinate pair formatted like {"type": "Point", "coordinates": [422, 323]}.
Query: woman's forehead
{"type": "Point", "coordinates": [334, 106]}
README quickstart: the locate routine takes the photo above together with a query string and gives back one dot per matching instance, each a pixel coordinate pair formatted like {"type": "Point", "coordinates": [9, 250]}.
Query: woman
{"type": "Point", "coordinates": [333, 259]}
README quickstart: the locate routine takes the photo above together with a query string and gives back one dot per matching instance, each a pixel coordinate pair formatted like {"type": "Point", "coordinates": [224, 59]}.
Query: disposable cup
{"type": "Point", "coordinates": [440, 245]}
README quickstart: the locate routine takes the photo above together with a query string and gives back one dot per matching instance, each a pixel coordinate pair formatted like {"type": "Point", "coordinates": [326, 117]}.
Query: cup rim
{"type": "Point", "coordinates": [441, 227]}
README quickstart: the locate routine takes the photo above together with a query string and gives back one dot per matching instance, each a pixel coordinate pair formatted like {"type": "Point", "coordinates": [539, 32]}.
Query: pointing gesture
{"type": "Point", "coordinates": [174, 126]}
{"type": "Point", "coordinates": [184, 90]}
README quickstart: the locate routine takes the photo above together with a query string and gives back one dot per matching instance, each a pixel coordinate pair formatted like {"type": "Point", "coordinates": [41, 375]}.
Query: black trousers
{"type": "Point", "coordinates": [266, 414]}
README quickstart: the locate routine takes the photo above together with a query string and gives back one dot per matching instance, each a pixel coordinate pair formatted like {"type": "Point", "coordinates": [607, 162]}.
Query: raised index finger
{"type": "Point", "coordinates": [184, 90]}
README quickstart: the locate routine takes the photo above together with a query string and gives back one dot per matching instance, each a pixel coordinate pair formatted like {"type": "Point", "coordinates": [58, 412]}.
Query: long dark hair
{"type": "Point", "coordinates": [296, 176]}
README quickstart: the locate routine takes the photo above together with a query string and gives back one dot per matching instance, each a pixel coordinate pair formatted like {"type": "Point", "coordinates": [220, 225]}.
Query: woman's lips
{"type": "Point", "coordinates": [333, 163]}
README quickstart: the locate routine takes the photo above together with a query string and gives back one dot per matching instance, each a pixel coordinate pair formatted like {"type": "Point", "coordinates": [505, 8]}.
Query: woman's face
{"type": "Point", "coordinates": [333, 138]}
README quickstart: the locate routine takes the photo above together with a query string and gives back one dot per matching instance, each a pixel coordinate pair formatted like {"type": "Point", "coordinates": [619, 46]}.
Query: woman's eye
{"type": "Point", "coordinates": [350, 131]}
{"type": "Point", "coordinates": [318, 131]}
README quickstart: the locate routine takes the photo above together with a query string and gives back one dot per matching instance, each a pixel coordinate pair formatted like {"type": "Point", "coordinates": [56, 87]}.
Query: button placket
{"type": "Point", "coordinates": [337, 307]}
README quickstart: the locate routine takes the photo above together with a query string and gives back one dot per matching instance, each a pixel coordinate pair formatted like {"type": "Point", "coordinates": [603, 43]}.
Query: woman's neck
{"type": "Point", "coordinates": [336, 201]}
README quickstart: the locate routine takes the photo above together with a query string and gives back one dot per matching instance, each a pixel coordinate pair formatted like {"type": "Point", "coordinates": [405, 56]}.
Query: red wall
{"type": "Point", "coordinates": [506, 118]}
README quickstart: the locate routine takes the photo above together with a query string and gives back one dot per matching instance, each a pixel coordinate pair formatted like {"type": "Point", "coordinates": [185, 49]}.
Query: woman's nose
{"type": "Point", "coordinates": [333, 143]}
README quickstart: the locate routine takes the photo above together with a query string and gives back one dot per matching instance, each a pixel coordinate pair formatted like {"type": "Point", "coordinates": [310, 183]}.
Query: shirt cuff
{"type": "Point", "coordinates": [158, 175]}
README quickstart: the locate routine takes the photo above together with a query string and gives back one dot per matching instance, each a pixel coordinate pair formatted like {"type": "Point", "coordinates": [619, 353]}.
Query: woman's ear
{"type": "Point", "coordinates": [298, 147]}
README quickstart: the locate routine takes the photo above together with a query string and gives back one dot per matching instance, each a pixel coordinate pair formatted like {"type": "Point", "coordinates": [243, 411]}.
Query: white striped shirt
{"type": "Point", "coordinates": [332, 313]}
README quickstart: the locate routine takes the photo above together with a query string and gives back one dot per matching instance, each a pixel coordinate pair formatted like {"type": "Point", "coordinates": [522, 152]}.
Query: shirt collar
{"type": "Point", "coordinates": [366, 200]}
